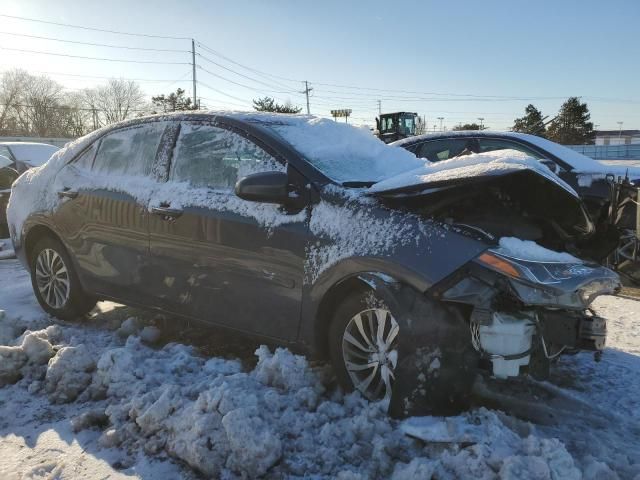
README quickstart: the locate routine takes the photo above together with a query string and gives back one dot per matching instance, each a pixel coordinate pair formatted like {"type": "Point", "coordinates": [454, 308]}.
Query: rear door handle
{"type": "Point", "coordinates": [166, 212]}
{"type": "Point", "coordinates": [67, 193]}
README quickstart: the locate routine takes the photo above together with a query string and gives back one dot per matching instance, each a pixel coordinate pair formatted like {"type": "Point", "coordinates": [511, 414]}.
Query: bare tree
{"type": "Point", "coordinates": [12, 86]}
{"type": "Point", "coordinates": [118, 100]}
{"type": "Point", "coordinates": [40, 107]}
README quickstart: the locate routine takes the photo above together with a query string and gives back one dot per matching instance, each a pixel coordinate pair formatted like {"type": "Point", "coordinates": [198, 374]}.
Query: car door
{"type": "Point", "coordinates": [219, 258]}
{"type": "Point", "coordinates": [103, 215]}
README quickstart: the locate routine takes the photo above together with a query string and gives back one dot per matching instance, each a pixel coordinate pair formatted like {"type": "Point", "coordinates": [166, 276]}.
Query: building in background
{"type": "Point", "coordinates": [617, 137]}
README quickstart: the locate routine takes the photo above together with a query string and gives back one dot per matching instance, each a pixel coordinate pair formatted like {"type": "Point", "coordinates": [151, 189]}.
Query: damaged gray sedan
{"type": "Point", "coordinates": [410, 277]}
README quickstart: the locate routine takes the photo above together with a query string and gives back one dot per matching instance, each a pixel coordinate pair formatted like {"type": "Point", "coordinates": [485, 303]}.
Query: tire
{"type": "Point", "coordinates": [60, 295]}
{"type": "Point", "coordinates": [433, 365]}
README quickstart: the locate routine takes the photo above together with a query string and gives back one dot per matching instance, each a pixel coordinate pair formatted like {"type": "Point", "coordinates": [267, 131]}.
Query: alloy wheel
{"type": "Point", "coordinates": [369, 350]}
{"type": "Point", "coordinates": [52, 278]}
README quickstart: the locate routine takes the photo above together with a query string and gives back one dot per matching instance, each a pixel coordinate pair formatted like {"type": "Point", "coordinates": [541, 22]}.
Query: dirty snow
{"type": "Point", "coordinates": [473, 165]}
{"type": "Point", "coordinates": [89, 403]}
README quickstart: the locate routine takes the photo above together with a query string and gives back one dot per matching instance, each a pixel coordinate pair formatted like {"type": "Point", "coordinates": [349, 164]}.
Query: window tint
{"type": "Point", "coordinates": [207, 156]}
{"type": "Point", "coordinates": [491, 145]}
{"type": "Point", "coordinates": [129, 152]}
{"type": "Point", "coordinates": [446, 148]}
{"type": "Point", "coordinates": [85, 160]}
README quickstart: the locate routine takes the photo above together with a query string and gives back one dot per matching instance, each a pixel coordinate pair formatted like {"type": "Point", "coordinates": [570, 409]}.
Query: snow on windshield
{"type": "Point", "coordinates": [477, 164]}
{"type": "Point", "coordinates": [340, 151]}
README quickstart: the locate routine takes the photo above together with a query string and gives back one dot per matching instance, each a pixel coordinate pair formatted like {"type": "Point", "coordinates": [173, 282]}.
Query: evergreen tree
{"type": "Point", "coordinates": [532, 122]}
{"type": "Point", "coordinates": [572, 125]}
{"type": "Point", "coordinates": [174, 102]}
{"type": "Point", "coordinates": [268, 104]}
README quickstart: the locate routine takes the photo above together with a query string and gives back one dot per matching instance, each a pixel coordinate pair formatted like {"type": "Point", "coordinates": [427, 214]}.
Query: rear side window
{"type": "Point", "coordinates": [207, 156]}
{"type": "Point", "coordinates": [130, 151]}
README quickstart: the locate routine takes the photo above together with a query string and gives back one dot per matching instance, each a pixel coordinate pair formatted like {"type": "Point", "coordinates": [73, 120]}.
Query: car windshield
{"type": "Point", "coordinates": [343, 153]}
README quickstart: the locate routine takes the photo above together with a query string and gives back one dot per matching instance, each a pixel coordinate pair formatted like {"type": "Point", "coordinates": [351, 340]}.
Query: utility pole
{"type": "Point", "coordinates": [481, 120]}
{"type": "Point", "coordinates": [379, 107]}
{"type": "Point", "coordinates": [193, 70]}
{"type": "Point", "coordinates": [441, 119]}
{"type": "Point", "coordinates": [306, 92]}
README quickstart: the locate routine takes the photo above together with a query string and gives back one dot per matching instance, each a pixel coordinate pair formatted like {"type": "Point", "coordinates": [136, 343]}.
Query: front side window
{"type": "Point", "coordinates": [85, 160]}
{"type": "Point", "coordinates": [491, 145]}
{"type": "Point", "coordinates": [207, 156]}
{"type": "Point", "coordinates": [437, 150]}
{"type": "Point", "coordinates": [130, 151]}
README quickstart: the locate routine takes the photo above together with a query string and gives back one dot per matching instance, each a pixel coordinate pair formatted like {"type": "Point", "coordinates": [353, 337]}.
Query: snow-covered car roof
{"type": "Point", "coordinates": [32, 153]}
{"type": "Point", "coordinates": [5, 162]}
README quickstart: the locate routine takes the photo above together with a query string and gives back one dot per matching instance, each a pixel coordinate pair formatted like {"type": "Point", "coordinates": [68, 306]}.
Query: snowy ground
{"type": "Point", "coordinates": [623, 163]}
{"type": "Point", "coordinates": [120, 398]}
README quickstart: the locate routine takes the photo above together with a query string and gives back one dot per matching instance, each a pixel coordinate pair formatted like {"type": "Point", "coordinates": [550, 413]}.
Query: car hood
{"type": "Point", "coordinates": [465, 169]}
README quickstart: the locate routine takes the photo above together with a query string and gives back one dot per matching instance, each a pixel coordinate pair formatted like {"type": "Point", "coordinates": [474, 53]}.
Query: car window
{"type": "Point", "coordinates": [493, 144]}
{"type": "Point", "coordinates": [85, 160]}
{"type": "Point", "coordinates": [4, 151]}
{"type": "Point", "coordinates": [207, 156]}
{"type": "Point", "coordinates": [446, 148]}
{"type": "Point", "coordinates": [130, 151]}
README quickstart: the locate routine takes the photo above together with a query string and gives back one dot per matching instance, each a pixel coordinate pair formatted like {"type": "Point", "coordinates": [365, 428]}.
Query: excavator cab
{"type": "Point", "coordinates": [394, 126]}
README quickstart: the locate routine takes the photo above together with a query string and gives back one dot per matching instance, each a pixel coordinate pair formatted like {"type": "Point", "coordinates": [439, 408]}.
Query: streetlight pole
{"type": "Point", "coordinates": [441, 119]}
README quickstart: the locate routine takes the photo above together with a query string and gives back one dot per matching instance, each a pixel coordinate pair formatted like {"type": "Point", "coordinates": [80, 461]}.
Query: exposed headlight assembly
{"type": "Point", "coordinates": [559, 284]}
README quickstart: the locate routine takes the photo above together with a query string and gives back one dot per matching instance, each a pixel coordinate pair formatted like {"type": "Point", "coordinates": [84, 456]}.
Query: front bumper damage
{"type": "Point", "coordinates": [519, 326]}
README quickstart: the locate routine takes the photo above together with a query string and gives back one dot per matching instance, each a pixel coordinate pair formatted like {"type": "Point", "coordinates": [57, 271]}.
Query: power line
{"type": "Point", "coordinates": [95, 44]}
{"type": "Point", "coordinates": [93, 58]}
{"type": "Point", "coordinates": [15, 17]}
{"type": "Point", "coordinates": [220, 91]}
{"type": "Point", "coordinates": [238, 73]}
{"type": "Point", "coordinates": [237, 83]}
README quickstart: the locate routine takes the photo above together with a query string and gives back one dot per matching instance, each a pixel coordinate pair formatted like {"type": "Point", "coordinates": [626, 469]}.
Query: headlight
{"type": "Point", "coordinates": [546, 273]}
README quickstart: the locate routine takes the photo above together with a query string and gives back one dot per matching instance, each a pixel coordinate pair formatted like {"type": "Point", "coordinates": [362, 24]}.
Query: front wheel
{"type": "Point", "coordinates": [55, 283]}
{"type": "Point", "coordinates": [412, 353]}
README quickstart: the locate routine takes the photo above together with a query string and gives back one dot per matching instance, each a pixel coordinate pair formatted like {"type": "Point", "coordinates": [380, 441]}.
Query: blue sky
{"type": "Point", "coordinates": [466, 58]}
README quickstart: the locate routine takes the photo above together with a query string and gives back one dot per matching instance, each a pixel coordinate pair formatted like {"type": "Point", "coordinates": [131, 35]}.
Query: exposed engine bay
{"type": "Point", "coordinates": [522, 313]}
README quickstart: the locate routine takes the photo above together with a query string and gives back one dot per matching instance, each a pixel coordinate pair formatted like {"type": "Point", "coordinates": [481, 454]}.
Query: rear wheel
{"type": "Point", "coordinates": [55, 283]}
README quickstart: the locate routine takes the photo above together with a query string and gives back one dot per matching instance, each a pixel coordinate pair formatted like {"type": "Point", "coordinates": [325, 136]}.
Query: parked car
{"type": "Point", "coordinates": [7, 176]}
{"type": "Point", "coordinates": [609, 198]}
{"type": "Point", "coordinates": [312, 234]}
{"type": "Point", "coordinates": [26, 155]}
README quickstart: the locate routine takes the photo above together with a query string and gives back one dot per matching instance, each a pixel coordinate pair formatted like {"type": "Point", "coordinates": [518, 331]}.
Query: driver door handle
{"type": "Point", "coordinates": [66, 193]}
{"type": "Point", "coordinates": [166, 212]}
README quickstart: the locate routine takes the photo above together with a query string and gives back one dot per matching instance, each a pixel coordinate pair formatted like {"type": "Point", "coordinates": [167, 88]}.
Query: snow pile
{"type": "Point", "coordinates": [473, 165]}
{"type": "Point", "coordinates": [24, 356]}
{"type": "Point", "coordinates": [69, 373]}
{"type": "Point", "coordinates": [528, 250]}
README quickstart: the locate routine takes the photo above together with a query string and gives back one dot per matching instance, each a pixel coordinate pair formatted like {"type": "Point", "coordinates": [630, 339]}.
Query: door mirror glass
{"type": "Point", "coordinates": [265, 187]}
{"type": "Point", "coordinates": [551, 165]}
{"type": "Point", "coordinates": [7, 177]}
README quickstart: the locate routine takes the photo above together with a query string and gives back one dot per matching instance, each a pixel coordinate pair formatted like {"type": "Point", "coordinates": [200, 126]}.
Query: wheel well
{"type": "Point", "coordinates": [332, 298]}
{"type": "Point", "coordinates": [34, 235]}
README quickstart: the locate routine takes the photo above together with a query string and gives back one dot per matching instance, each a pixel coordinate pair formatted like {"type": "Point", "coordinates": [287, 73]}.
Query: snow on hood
{"type": "Point", "coordinates": [340, 151]}
{"type": "Point", "coordinates": [33, 154]}
{"type": "Point", "coordinates": [474, 165]}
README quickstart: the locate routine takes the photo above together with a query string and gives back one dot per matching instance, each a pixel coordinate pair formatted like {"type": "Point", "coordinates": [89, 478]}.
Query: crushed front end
{"type": "Point", "coordinates": [525, 313]}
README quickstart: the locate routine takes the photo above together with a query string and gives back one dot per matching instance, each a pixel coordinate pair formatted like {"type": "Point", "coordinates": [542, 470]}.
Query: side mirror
{"type": "Point", "coordinates": [7, 176]}
{"type": "Point", "coordinates": [265, 187]}
{"type": "Point", "coordinates": [551, 165]}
